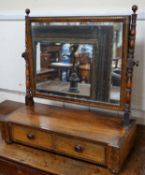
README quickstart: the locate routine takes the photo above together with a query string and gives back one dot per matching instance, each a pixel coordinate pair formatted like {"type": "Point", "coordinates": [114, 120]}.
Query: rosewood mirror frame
{"type": "Point", "coordinates": [129, 33]}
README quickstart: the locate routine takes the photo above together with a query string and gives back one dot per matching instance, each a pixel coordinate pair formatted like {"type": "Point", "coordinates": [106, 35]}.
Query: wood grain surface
{"type": "Point", "coordinates": [26, 160]}
{"type": "Point", "coordinates": [61, 165]}
{"type": "Point", "coordinates": [88, 125]}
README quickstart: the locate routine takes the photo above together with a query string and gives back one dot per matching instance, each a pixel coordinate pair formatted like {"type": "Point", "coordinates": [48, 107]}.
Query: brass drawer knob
{"type": "Point", "coordinates": [30, 136]}
{"type": "Point", "coordinates": [78, 148]}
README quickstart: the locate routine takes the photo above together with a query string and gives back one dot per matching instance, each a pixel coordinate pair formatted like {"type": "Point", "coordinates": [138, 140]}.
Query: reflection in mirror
{"type": "Point", "coordinates": [80, 60]}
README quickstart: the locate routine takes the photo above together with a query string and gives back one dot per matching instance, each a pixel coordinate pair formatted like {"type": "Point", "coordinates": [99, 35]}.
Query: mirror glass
{"type": "Point", "coordinates": [80, 60]}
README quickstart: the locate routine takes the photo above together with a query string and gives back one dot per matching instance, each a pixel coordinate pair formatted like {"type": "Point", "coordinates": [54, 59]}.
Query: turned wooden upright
{"type": "Point", "coordinates": [28, 98]}
{"type": "Point", "coordinates": [131, 63]}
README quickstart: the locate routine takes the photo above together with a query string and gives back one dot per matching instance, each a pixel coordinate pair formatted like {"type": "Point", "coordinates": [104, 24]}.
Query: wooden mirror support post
{"type": "Point", "coordinates": [131, 63]}
{"type": "Point", "coordinates": [29, 97]}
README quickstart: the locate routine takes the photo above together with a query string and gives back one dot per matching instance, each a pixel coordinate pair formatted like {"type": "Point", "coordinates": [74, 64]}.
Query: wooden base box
{"type": "Point", "coordinates": [87, 136]}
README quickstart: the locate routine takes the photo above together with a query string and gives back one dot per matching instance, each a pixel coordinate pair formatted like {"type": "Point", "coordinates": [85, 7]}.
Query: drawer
{"type": "Point", "coordinates": [59, 143]}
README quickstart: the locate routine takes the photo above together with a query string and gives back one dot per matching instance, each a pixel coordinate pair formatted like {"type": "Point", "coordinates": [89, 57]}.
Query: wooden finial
{"type": "Point", "coordinates": [134, 8]}
{"type": "Point", "coordinates": [27, 11]}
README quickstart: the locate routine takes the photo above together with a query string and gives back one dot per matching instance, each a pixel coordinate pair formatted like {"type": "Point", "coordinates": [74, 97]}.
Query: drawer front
{"type": "Point", "coordinates": [59, 143]}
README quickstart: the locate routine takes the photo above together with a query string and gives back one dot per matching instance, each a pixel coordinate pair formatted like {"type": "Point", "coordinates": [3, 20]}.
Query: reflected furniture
{"type": "Point", "coordinates": [47, 55]}
{"type": "Point", "coordinates": [99, 137]}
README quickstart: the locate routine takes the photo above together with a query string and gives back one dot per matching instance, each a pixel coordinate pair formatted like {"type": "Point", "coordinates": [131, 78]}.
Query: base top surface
{"type": "Point", "coordinates": [83, 124]}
